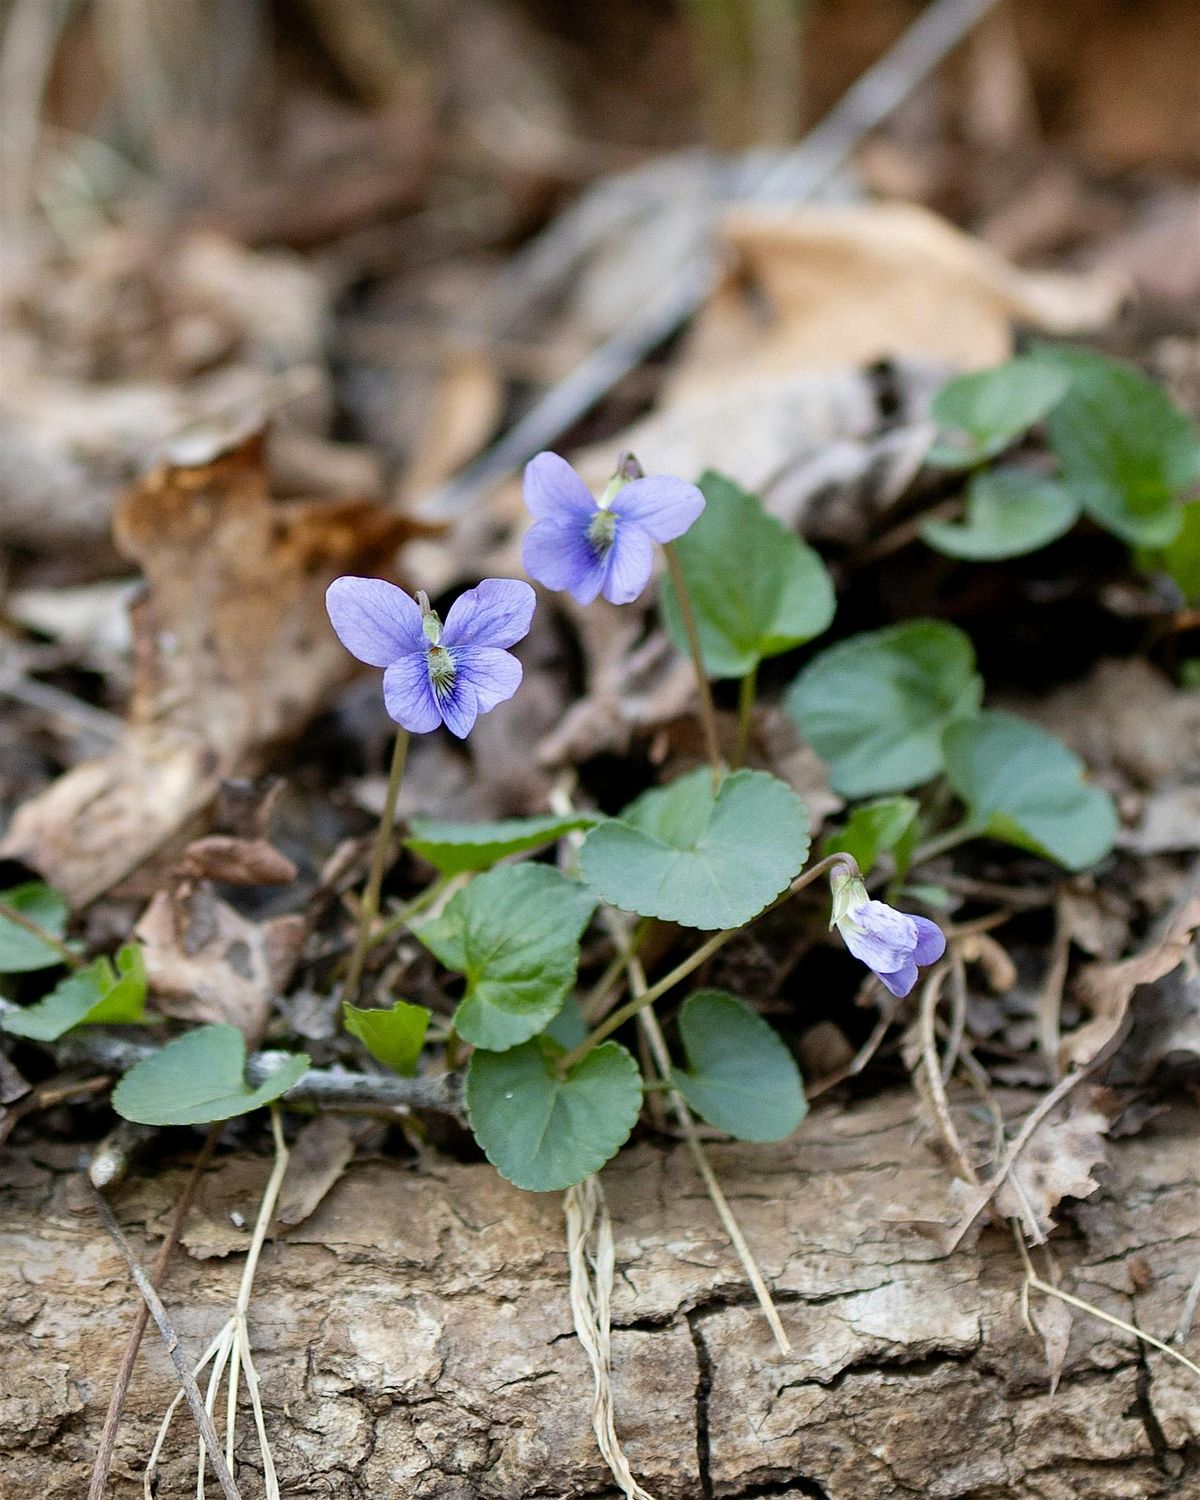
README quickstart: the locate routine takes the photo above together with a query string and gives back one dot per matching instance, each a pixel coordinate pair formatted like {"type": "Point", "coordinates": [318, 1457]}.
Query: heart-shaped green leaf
{"type": "Point", "coordinates": [1126, 450]}
{"type": "Point", "coordinates": [873, 829]}
{"type": "Point", "coordinates": [1009, 512]}
{"type": "Point", "coordinates": [756, 589]}
{"type": "Point", "coordinates": [1025, 787]}
{"type": "Point", "coordinates": [454, 847]}
{"type": "Point", "coordinates": [875, 707]}
{"type": "Point", "coordinates": [21, 951]}
{"type": "Point", "coordinates": [197, 1078]}
{"type": "Point", "coordinates": [993, 407]}
{"type": "Point", "coordinates": [683, 855]}
{"type": "Point", "coordinates": [514, 933]}
{"type": "Point", "coordinates": [740, 1076]}
{"type": "Point", "coordinates": [97, 995]}
{"type": "Point", "coordinates": [394, 1036]}
{"type": "Point", "coordinates": [545, 1132]}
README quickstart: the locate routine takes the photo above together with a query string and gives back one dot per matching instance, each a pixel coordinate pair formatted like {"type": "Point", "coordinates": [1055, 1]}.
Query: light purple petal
{"type": "Point", "coordinates": [459, 707]}
{"type": "Point", "coordinates": [561, 557]}
{"type": "Point", "coordinates": [902, 980]}
{"type": "Point", "coordinates": [879, 936]}
{"type": "Point", "coordinates": [931, 941]}
{"type": "Point", "coordinates": [629, 563]}
{"type": "Point", "coordinates": [374, 620]}
{"type": "Point", "coordinates": [496, 613]}
{"type": "Point", "coordinates": [663, 506]}
{"type": "Point", "coordinates": [554, 492]}
{"type": "Point", "coordinates": [494, 674]}
{"type": "Point", "coordinates": [408, 694]}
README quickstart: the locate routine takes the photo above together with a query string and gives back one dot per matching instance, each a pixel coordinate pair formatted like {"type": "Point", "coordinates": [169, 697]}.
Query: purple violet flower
{"type": "Point", "coordinates": [434, 673]}
{"type": "Point", "coordinates": [604, 546]}
{"type": "Point", "coordinates": [891, 943]}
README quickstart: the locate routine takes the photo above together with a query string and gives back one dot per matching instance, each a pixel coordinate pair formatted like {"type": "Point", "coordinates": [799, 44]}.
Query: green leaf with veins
{"type": "Point", "coordinates": [680, 854]}
{"type": "Point", "coordinates": [545, 1132]}
{"type": "Point", "coordinates": [198, 1078]}
{"type": "Point", "coordinates": [514, 933]}
{"type": "Point", "coordinates": [740, 1076]}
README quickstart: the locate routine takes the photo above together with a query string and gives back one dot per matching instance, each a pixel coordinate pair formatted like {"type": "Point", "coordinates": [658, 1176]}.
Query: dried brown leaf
{"type": "Point", "coordinates": [318, 1157]}
{"type": "Point", "coordinates": [1057, 1163]}
{"type": "Point", "coordinates": [232, 656]}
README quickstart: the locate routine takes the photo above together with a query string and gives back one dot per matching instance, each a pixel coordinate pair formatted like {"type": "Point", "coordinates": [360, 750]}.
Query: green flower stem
{"type": "Point", "coordinates": [19, 919]}
{"type": "Point", "coordinates": [942, 843]}
{"type": "Point", "coordinates": [681, 970]}
{"type": "Point", "coordinates": [708, 714]}
{"type": "Point", "coordinates": [369, 906]}
{"type": "Point", "coordinates": [745, 714]}
{"type": "Point", "coordinates": [603, 991]}
{"type": "Point", "coordinates": [401, 919]}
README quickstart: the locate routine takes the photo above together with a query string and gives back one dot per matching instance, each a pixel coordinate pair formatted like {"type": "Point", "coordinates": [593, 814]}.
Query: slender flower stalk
{"type": "Point", "coordinates": [746, 693]}
{"type": "Point", "coordinates": [369, 906]}
{"type": "Point", "coordinates": [708, 714]}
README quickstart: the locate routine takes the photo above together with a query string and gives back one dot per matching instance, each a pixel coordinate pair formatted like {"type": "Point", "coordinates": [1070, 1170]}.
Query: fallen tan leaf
{"type": "Point", "coordinates": [232, 655]}
{"type": "Point", "coordinates": [318, 1157]}
{"type": "Point", "coordinates": [1107, 989]}
{"type": "Point", "coordinates": [1057, 1163]}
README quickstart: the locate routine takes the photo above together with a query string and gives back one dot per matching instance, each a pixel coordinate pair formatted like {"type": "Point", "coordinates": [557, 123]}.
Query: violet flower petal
{"type": "Point", "coordinates": [495, 675]}
{"type": "Point", "coordinates": [879, 936]}
{"type": "Point", "coordinates": [554, 492]}
{"type": "Point", "coordinates": [408, 694]}
{"type": "Point", "coordinates": [459, 706]}
{"type": "Point", "coordinates": [560, 556]}
{"type": "Point", "coordinates": [374, 620]}
{"type": "Point", "coordinates": [664, 507]}
{"type": "Point", "coordinates": [629, 563]}
{"type": "Point", "coordinates": [931, 941]}
{"type": "Point", "coordinates": [902, 980]}
{"type": "Point", "coordinates": [496, 612]}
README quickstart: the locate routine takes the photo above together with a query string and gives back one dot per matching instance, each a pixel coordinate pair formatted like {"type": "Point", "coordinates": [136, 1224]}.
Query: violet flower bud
{"type": "Point", "coordinates": [891, 943]}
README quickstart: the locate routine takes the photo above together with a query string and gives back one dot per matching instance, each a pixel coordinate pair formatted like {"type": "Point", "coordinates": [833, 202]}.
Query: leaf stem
{"type": "Point", "coordinates": [19, 919]}
{"type": "Point", "coordinates": [745, 714]}
{"type": "Point", "coordinates": [400, 920]}
{"type": "Point", "coordinates": [690, 964]}
{"type": "Point", "coordinates": [369, 906]}
{"type": "Point", "coordinates": [708, 714]}
{"type": "Point", "coordinates": [942, 843]}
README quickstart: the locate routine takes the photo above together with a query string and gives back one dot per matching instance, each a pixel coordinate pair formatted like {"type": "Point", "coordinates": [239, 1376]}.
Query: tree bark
{"type": "Point", "coordinates": [414, 1338]}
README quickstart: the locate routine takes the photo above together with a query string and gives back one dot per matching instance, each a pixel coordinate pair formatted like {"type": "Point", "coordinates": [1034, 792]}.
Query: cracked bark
{"type": "Point", "coordinates": [414, 1335]}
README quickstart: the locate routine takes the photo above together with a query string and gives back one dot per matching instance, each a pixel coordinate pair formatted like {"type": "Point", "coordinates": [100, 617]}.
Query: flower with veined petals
{"type": "Point", "coordinates": [434, 673]}
{"type": "Point", "coordinates": [604, 546]}
{"type": "Point", "coordinates": [891, 943]}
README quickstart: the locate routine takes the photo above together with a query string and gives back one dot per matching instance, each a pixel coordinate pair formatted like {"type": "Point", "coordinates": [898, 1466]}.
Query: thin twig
{"type": "Point", "coordinates": [171, 1339]}
{"type": "Point", "coordinates": [116, 1402]}
{"type": "Point", "coordinates": [932, 1065]}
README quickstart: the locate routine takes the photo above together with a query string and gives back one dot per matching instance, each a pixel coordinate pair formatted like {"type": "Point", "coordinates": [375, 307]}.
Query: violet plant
{"type": "Point", "coordinates": [552, 1092]}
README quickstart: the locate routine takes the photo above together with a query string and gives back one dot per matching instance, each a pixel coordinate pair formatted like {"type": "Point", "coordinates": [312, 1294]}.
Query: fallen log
{"type": "Point", "coordinates": [414, 1336]}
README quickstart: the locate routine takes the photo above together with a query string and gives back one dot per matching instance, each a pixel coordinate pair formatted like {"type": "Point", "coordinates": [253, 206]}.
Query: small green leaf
{"type": "Point", "coordinates": [454, 847]}
{"type": "Point", "coordinates": [94, 996]}
{"type": "Point", "coordinates": [393, 1036]}
{"type": "Point", "coordinates": [683, 855]}
{"type": "Point", "coordinates": [993, 408]}
{"type": "Point", "coordinates": [871, 830]}
{"type": "Point", "coordinates": [544, 1132]}
{"type": "Point", "coordinates": [514, 933]}
{"type": "Point", "coordinates": [1009, 512]}
{"type": "Point", "coordinates": [1126, 450]}
{"type": "Point", "coordinates": [197, 1078]}
{"type": "Point", "coordinates": [20, 951]}
{"type": "Point", "coordinates": [1025, 787]}
{"type": "Point", "coordinates": [740, 1076]}
{"type": "Point", "coordinates": [1180, 559]}
{"type": "Point", "coordinates": [756, 589]}
{"type": "Point", "coordinates": [875, 707]}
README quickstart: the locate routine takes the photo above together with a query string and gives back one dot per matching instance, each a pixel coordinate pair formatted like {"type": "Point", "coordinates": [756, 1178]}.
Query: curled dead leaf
{"type": "Point", "coordinates": [232, 655]}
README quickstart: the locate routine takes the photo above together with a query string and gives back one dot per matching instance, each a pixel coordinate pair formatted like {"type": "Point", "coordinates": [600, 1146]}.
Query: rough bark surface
{"type": "Point", "coordinates": [414, 1337]}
